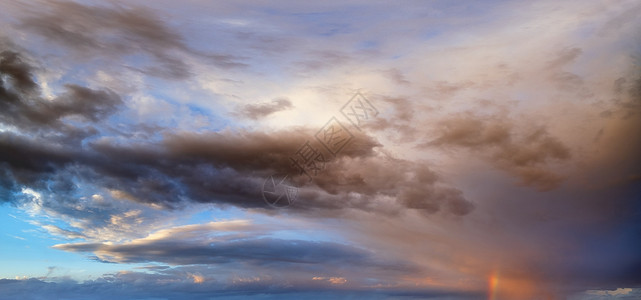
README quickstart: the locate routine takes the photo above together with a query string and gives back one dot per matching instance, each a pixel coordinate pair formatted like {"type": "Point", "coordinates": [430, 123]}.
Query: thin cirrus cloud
{"type": "Point", "coordinates": [503, 162]}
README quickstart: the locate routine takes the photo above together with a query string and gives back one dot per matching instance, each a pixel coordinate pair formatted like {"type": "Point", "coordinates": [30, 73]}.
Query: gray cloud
{"type": "Point", "coordinates": [323, 59]}
{"type": "Point", "coordinates": [224, 167]}
{"type": "Point", "coordinates": [399, 125]}
{"type": "Point", "coordinates": [524, 154]}
{"type": "Point", "coordinates": [412, 185]}
{"type": "Point", "coordinates": [396, 75]}
{"type": "Point", "coordinates": [23, 107]}
{"type": "Point", "coordinates": [627, 91]}
{"type": "Point", "coordinates": [564, 57]}
{"type": "Point", "coordinates": [260, 251]}
{"type": "Point", "coordinates": [117, 31]}
{"type": "Point", "coordinates": [260, 110]}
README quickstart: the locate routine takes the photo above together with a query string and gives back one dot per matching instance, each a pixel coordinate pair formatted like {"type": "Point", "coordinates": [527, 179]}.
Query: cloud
{"type": "Point", "coordinates": [332, 280]}
{"type": "Point", "coordinates": [117, 31]}
{"type": "Point", "coordinates": [55, 230]}
{"type": "Point", "coordinates": [398, 123]}
{"type": "Point", "coordinates": [368, 183]}
{"type": "Point", "coordinates": [223, 167]}
{"type": "Point", "coordinates": [220, 243]}
{"type": "Point", "coordinates": [260, 110]}
{"type": "Point", "coordinates": [524, 154]}
{"type": "Point", "coordinates": [619, 293]}
{"type": "Point", "coordinates": [23, 107]}
{"type": "Point", "coordinates": [242, 252]}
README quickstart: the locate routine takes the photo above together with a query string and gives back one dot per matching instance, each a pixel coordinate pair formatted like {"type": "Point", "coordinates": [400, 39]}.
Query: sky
{"type": "Point", "coordinates": [321, 149]}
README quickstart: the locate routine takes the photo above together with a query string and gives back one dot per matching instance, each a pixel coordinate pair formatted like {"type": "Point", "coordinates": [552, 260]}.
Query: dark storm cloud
{"type": "Point", "coordinates": [356, 169]}
{"type": "Point", "coordinates": [228, 167]}
{"type": "Point", "coordinates": [115, 32]}
{"type": "Point", "coordinates": [221, 167]}
{"type": "Point", "coordinates": [17, 72]}
{"type": "Point", "coordinates": [259, 110]}
{"type": "Point", "coordinates": [31, 161]}
{"type": "Point", "coordinates": [524, 154]}
{"type": "Point", "coordinates": [254, 150]}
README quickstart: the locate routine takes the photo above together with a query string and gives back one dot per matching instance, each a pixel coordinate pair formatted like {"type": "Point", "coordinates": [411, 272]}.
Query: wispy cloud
{"type": "Point", "coordinates": [255, 111]}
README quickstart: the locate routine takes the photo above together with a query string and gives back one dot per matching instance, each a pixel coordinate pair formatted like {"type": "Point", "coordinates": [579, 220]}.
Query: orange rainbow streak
{"type": "Point", "coordinates": [493, 286]}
